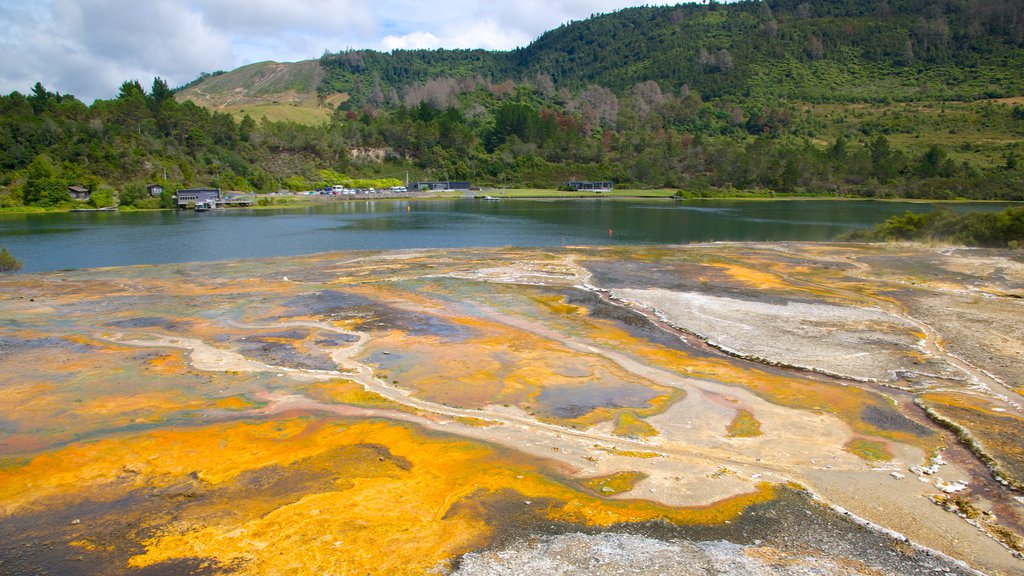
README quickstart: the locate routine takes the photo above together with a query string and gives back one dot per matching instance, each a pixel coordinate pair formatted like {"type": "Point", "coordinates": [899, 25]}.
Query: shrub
{"type": "Point", "coordinates": [8, 263]}
{"type": "Point", "coordinates": [992, 229]}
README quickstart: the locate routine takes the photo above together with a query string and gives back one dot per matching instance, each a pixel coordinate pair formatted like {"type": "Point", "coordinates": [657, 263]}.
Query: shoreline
{"type": "Point", "coordinates": [306, 201]}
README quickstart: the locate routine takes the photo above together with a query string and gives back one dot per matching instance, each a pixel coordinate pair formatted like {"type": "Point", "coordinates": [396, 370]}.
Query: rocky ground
{"type": "Point", "coordinates": [739, 408]}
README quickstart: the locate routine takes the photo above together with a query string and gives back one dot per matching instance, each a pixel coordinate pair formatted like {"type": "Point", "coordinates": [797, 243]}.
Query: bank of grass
{"type": "Point", "coordinates": [549, 193]}
{"type": "Point", "coordinates": [287, 112]}
{"type": "Point", "coordinates": [31, 209]}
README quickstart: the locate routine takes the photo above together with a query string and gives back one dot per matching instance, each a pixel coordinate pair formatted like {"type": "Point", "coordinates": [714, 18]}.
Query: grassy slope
{"type": "Point", "coordinates": [974, 132]}
{"type": "Point", "coordinates": [275, 90]}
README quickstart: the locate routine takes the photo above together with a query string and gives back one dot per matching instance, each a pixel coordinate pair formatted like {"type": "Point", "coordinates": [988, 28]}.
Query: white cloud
{"type": "Point", "coordinates": [411, 41]}
{"type": "Point", "coordinates": [474, 24]}
{"type": "Point", "coordinates": [162, 35]}
{"type": "Point", "coordinates": [486, 34]}
{"type": "Point", "coordinates": [332, 17]}
{"type": "Point", "coordinates": [88, 47]}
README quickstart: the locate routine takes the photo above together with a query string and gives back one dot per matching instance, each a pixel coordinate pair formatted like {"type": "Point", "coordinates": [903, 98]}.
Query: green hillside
{"type": "Point", "coordinates": [830, 51]}
{"type": "Point", "coordinates": [894, 98]}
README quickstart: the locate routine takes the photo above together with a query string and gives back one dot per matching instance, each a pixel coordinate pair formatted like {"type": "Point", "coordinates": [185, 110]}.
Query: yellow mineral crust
{"type": "Point", "coordinates": [343, 391]}
{"type": "Point", "coordinates": [755, 278]}
{"type": "Point", "coordinates": [397, 500]}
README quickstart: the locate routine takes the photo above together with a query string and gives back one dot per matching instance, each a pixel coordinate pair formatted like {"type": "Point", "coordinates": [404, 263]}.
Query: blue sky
{"type": "Point", "coordinates": [88, 47]}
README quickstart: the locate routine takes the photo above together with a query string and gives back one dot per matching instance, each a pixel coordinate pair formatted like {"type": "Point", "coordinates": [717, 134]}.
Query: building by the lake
{"type": "Point", "coordinates": [440, 185]}
{"type": "Point", "coordinates": [80, 193]}
{"type": "Point", "coordinates": [189, 197]}
{"type": "Point", "coordinates": [588, 185]}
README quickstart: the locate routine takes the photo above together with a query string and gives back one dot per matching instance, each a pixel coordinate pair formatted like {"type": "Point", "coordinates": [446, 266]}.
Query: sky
{"type": "Point", "coordinates": [89, 47]}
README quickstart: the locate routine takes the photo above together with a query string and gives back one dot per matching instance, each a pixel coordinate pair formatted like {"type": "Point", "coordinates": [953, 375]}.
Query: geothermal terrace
{"type": "Point", "coordinates": [743, 408]}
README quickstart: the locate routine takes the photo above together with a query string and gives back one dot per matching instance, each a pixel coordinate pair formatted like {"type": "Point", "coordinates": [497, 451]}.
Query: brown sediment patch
{"type": "Point", "coordinates": [629, 453]}
{"type": "Point", "coordinates": [964, 506]}
{"type": "Point", "coordinates": [990, 431]}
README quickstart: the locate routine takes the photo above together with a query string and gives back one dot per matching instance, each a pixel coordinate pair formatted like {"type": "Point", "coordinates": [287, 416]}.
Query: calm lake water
{"type": "Point", "coordinates": [90, 239]}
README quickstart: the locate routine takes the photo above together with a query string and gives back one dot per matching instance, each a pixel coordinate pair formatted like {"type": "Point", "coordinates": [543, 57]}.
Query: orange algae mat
{"type": "Point", "coordinates": [334, 495]}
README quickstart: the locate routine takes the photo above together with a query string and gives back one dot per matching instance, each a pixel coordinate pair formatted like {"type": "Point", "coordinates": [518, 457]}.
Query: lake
{"type": "Point", "coordinates": [90, 239]}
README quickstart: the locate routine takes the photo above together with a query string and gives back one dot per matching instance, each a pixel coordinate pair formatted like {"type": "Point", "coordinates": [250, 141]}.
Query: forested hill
{"type": "Point", "coordinates": [886, 98]}
{"type": "Point", "coordinates": [824, 51]}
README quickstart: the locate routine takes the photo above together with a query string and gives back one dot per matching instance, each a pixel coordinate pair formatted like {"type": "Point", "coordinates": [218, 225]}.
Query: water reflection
{"type": "Point", "coordinates": [78, 240]}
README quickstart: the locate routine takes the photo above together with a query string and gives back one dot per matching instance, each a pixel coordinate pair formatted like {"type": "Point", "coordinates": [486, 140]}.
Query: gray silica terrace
{"type": "Point", "coordinates": [58, 241]}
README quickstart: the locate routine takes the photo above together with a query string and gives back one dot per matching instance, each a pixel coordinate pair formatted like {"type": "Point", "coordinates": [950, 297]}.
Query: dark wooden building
{"type": "Point", "coordinates": [80, 193]}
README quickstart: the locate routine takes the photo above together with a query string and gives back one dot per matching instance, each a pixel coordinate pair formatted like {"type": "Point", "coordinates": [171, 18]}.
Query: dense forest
{"type": "Point", "coordinates": [824, 51]}
{"type": "Point", "coordinates": [888, 98]}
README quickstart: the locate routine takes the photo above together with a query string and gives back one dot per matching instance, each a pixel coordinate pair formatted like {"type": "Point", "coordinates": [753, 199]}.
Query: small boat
{"type": "Point", "coordinates": [207, 206]}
